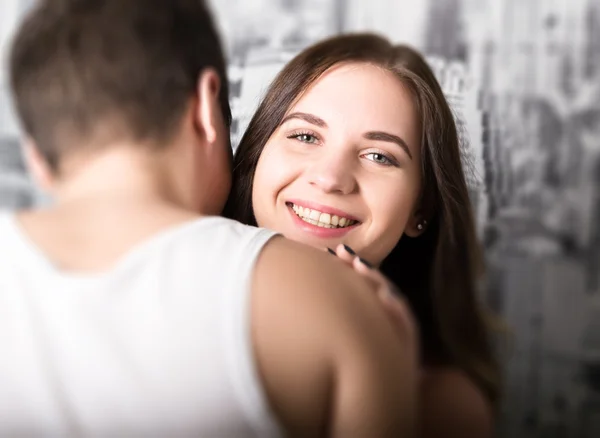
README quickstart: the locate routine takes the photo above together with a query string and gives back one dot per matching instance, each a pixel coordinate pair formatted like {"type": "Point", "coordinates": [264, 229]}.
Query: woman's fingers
{"type": "Point", "coordinates": [401, 314]}
{"type": "Point", "coordinates": [394, 304]}
{"type": "Point", "coordinates": [346, 253]}
{"type": "Point", "coordinates": [365, 268]}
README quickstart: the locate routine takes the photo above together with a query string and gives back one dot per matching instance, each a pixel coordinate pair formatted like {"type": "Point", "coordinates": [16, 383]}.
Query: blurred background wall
{"type": "Point", "coordinates": [523, 77]}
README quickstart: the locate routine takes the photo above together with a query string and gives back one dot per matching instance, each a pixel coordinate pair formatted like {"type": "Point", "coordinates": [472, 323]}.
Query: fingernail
{"type": "Point", "coordinates": [366, 263]}
{"type": "Point", "coordinates": [331, 251]}
{"type": "Point", "coordinates": [350, 250]}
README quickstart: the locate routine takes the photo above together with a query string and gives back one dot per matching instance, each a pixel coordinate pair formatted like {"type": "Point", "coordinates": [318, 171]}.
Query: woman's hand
{"type": "Point", "coordinates": [397, 308]}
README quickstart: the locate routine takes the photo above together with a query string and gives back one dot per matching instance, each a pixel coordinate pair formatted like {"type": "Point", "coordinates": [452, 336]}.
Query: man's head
{"type": "Point", "coordinates": [89, 74]}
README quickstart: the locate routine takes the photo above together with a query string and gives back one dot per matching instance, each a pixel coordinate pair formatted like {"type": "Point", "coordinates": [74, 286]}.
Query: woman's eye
{"type": "Point", "coordinates": [305, 138]}
{"type": "Point", "coordinates": [379, 159]}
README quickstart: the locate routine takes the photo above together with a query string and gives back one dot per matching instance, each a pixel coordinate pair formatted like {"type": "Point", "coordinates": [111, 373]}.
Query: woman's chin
{"type": "Point", "coordinates": [313, 241]}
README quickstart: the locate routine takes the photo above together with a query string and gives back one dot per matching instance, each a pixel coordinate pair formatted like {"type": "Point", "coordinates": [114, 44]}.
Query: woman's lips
{"type": "Point", "coordinates": [313, 206]}
{"type": "Point", "coordinates": [322, 227]}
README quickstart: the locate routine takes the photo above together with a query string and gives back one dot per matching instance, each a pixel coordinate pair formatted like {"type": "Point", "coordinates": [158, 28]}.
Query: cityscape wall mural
{"type": "Point", "coordinates": [523, 78]}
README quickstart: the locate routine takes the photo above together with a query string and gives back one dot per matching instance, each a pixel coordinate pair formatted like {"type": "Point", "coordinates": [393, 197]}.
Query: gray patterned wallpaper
{"type": "Point", "coordinates": [524, 79]}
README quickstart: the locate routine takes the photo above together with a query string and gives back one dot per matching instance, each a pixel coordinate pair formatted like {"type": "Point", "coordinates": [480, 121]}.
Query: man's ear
{"type": "Point", "coordinates": [209, 117]}
{"type": "Point", "coordinates": [38, 167]}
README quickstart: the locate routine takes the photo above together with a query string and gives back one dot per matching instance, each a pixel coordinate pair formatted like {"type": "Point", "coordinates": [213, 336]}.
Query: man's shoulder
{"type": "Point", "coordinates": [296, 287]}
{"type": "Point", "coordinates": [294, 291]}
{"type": "Point", "coordinates": [227, 234]}
{"type": "Point", "coordinates": [319, 333]}
{"type": "Point", "coordinates": [306, 271]}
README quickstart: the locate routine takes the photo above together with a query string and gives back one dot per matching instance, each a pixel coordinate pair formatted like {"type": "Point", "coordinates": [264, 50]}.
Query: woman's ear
{"type": "Point", "coordinates": [417, 224]}
{"type": "Point", "coordinates": [36, 164]}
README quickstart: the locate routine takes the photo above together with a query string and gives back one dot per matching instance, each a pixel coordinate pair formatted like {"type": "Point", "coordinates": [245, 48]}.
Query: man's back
{"type": "Point", "coordinates": [159, 344]}
{"type": "Point", "coordinates": [124, 105]}
{"type": "Point", "coordinates": [203, 328]}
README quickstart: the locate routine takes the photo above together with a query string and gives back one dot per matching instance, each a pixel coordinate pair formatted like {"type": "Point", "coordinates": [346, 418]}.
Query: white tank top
{"type": "Point", "coordinates": [158, 346]}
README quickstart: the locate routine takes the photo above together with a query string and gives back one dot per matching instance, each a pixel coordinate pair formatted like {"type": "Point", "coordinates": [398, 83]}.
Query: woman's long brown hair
{"type": "Point", "coordinates": [439, 271]}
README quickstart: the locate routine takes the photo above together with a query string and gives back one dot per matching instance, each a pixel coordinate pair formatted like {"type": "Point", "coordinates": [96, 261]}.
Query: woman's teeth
{"type": "Point", "coordinates": [324, 220]}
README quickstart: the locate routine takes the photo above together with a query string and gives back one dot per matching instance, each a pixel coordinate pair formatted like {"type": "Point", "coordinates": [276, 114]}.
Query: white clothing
{"type": "Point", "coordinates": [159, 345]}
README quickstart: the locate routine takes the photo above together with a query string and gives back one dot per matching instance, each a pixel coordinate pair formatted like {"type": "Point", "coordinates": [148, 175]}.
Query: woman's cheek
{"type": "Point", "coordinates": [273, 174]}
{"type": "Point", "coordinates": [390, 216]}
{"type": "Point", "coordinates": [280, 167]}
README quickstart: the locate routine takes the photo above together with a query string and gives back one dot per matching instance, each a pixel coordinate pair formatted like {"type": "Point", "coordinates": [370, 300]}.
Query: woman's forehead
{"type": "Point", "coordinates": [361, 94]}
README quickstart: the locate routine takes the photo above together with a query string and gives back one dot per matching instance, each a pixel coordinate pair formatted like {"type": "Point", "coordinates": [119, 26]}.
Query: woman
{"type": "Point", "coordinates": [355, 144]}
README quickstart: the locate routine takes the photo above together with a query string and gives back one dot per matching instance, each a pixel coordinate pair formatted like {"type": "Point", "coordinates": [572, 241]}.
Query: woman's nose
{"type": "Point", "coordinates": [333, 175]}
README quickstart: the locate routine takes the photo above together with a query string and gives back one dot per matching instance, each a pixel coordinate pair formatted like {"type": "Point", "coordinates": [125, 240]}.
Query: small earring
{"type": "Point", "coordinates": [421, 226]}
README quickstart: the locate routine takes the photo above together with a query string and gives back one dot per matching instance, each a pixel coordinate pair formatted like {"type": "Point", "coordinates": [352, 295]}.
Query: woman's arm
{"type": "Point", "coordinates": [452, 406]}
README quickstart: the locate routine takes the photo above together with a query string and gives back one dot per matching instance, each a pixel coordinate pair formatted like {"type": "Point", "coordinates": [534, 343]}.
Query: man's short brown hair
{"type": "Point", "coordinates": [94, 71]}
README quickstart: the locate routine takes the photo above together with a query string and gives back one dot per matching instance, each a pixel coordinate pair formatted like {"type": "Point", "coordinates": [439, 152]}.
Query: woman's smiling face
{"type": "Point", "coordinates": [344, 166]}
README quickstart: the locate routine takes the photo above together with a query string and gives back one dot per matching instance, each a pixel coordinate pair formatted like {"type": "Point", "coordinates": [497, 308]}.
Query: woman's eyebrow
{"type": "Point", "coordinates": [391, 138]}
{"type": "Point", "coordinates": [310, 118]}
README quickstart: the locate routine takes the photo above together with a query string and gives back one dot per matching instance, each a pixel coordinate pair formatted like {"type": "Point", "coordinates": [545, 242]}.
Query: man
{"type": "Point", "coordinates": [127, 308]}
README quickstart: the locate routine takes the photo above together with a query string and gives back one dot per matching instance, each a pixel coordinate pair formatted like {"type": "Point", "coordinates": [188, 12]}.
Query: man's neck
{"type": "Point", "coordinates": [116, 173]}
{"type": "Point", "coordinates": [104, 206]}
